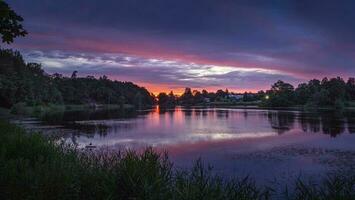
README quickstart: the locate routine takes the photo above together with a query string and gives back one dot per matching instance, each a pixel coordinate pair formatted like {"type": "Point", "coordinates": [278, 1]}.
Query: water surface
{"type": "Point", "coordinates": [266, 144]}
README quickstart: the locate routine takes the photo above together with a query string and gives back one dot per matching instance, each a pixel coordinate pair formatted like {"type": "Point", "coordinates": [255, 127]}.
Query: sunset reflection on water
{"type": "Point", "coordinates": [264, 143]}
{"type": "Point", "coordinates": [159, 127]}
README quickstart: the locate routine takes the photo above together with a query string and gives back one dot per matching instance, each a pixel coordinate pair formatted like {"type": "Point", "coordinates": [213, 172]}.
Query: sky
{"type": "Point", "coordinates": [163, 45]}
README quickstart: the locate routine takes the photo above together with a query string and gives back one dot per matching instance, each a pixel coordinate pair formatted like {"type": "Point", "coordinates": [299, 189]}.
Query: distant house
{"type": "Point", "coordinates": [236, 97]}
{"type": "Point", "coordinates": [206, 99]}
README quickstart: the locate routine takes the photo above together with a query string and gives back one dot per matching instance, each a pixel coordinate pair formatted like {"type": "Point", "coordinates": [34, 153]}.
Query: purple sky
{"type": "Point", "coordinates": [171, 44]}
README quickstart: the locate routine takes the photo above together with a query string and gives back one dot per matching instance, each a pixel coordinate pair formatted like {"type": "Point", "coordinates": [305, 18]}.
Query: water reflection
{"type": "Point", "coordinates": [310, 122]}
{"type": "Point", "coordinates": [350, 119]}
{"type": "Point", "coordinates": [281, 121]}
{"type": "Point", "coordinates": [264, 143]}
{"type": "Point", "coordinates": [179, 125]}
{"type": "Point", "coordinates": [331, 122]}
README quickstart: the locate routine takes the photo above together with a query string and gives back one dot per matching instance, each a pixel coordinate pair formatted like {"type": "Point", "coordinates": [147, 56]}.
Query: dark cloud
{"type": "Point", "coordinates": [156, 72]}
{"type": "Point", "coordinates": [300, 39]}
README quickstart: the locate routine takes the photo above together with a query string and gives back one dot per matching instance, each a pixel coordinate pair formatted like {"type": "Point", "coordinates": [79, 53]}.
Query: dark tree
{"type": "Point", "coordinates": [281, 87]}
{"type": "Point", "coordinates": [205, 93]}
{"type": "Point", "coordinates": [198, 97]}
{"type": "Point", "coordinates": [302, 94]}
{"type": "Point", "coordinates": [29, 84]}
{"type": "Point", "coordinates": [281, 94]}
{"type": "Point", "coordinates": [220, 95]}
{"type": "Point", "coordinates": [187, 97]}
{"type": "Point", "coordinates": [350, 89]}
{"type": "Point", "coordinates": [10, 24]}
{"type": "Point", "coordinates": [172, 98]}
{"type": "Point", "coordinates": [165, 100]}
{"type": "Point", "coordinates": [332, 92]}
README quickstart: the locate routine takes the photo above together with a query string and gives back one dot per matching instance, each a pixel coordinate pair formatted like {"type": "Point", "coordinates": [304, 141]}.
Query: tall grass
{"type": "Point", "coordinates": [34, 167]}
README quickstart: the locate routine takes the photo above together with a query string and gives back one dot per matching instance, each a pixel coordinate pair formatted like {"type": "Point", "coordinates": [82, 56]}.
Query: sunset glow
{"type": "Point", "coordinates": [169, 46]}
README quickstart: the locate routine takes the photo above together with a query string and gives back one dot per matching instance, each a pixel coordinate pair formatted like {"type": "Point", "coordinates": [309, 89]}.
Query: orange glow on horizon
{"type": "Point", "coordinates": [179, 90]}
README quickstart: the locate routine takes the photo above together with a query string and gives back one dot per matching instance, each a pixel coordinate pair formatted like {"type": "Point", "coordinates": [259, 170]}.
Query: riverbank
{"type": "Point", "coordinates": [37, 111]}
{"type": "Point", "coordinates": [348, 106]}
{"type": "Point", "coordinates": [35, 167]}
{"type": "Point", "coordinates": [290, 108]}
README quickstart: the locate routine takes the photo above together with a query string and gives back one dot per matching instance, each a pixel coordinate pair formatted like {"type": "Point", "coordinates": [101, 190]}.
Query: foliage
{"type": "Point", "coordinates": [28, 83]}
{"type": "Point", "coordinates": [332, 93]}
{"type": "Point", "coordinates": [21, 82]}
{"type": "Point", "coordinates": [196, 97]}
{"type": "Point", "coordinates": [187, 97]}
{"type": "Point", "coordinates": [10, 23]}
{"type": "Point", "coordinates": [350, 88]}
{"type": "Point", "coordinates": [281, 94]}
{"type": "Point", "coordinates": [165, 100]}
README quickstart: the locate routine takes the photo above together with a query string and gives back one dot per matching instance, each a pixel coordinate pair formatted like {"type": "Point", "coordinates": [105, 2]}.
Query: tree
{"type": "Point", "coordinates": [260, 95]}
{"type": "Point", "coordinates": [204, 93]}
{"type": "Point", "coordinates": [138, 100]}
{"type": "Point", "coordinates": [332, 92]}
{"type": "Point", "coordinates": [336, 88]}
{"type": "Point", "coordinates": [350, 88]}
{"type": "Point", "coordinates": [302, 94]}
{"type": "Point", "coordinates": [220, 95]}
{"type": "Point", "coordinates": [187, 97]}
{"type": "Point", "coordinates": [282, 87]}
{"type": "Point", "coordinates": [163, 99]}
{"type": "Point", "coordinates": [10, 24]}
{"type": "Point", "coordinates": [246, 96]}
{"type": "Point", "coordinates": [172, 99]}
{"type": "Point", "coordinates": [27, 83]}
{"type": "Point", "coordinates": [198, 98]}
{"type": "Point", "coordinates": [281, 94]}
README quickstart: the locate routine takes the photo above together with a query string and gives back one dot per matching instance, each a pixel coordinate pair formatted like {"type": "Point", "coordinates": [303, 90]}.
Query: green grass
{"type": "Point", "coordinates": [35, 167]}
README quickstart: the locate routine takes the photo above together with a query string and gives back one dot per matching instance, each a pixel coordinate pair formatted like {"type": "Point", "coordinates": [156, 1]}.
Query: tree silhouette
{"type": "Point", "coordinates": [10, 24]}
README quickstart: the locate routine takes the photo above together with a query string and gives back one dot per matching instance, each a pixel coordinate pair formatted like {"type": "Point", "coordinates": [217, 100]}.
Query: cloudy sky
{"type": "Point", "coordinates": [242, 45]}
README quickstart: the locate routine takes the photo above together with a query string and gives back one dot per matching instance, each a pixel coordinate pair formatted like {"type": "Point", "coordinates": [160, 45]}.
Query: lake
{"type": "Point", "coordinates": [269, 145]}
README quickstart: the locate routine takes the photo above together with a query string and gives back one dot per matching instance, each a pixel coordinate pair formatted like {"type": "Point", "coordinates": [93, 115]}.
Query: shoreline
{"type": "Point", "coordinates": [36, 111]}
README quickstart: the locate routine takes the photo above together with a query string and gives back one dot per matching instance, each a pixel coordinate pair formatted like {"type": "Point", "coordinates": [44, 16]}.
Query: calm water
{"type": "Point", "coordinates": [268, 145]}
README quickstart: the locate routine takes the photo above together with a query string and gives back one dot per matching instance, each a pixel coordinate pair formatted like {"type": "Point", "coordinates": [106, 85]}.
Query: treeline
{"type": "Point", "coordinates": [22, 82]}
{"type": "Point", "coordinates": [194, 97]}
{"type": "Point", "coordinates": [333, 92]}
